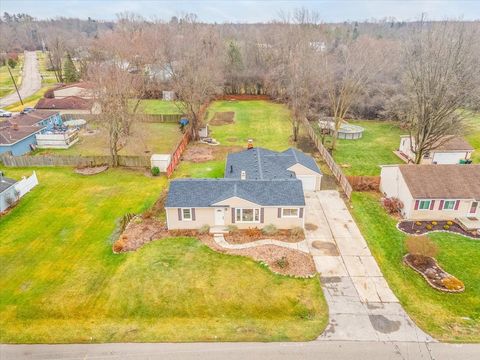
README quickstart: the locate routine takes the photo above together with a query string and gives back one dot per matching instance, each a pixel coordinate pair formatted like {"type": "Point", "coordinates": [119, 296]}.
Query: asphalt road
{"type": "Point", "coordinates": [316, 350]}
{"type": "Point", "coordinates": [31, 80]}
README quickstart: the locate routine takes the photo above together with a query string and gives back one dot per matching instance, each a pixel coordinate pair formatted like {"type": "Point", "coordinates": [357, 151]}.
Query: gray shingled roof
{"type": "Point", "coordinates": [206, 192]}
{"type": "Point", "coordinates": [260, 163]}
{"type": "Point", "coordinates": [5, 183]}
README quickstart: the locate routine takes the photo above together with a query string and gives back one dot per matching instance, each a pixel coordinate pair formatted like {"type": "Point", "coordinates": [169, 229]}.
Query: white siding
{"type": "Point", "coordinates": [449, 157]}
{"type": "Point", "coordinates": [392, 184]}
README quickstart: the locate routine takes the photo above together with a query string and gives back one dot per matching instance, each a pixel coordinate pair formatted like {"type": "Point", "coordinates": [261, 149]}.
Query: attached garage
{"type": "Point", "coordinates": [309, 182]}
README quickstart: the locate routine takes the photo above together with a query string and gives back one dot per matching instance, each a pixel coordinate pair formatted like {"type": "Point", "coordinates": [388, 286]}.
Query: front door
{"type": "Point", "coordinates": [473, 209]}
{"type": "Point", "coordinates": [219, 216]}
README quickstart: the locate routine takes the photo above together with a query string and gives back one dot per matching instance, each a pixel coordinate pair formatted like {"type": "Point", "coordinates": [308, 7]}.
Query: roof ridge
{"type": "Point", "coordinates": [260, 172]}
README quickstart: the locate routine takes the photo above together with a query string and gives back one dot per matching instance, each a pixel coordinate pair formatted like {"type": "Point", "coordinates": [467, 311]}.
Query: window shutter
{"type": "Point", "coordinates": [432, 204]}
{"type": "Point", "coordinates": [262, 215]}
{"type": "Point", "coordinates": [457, 204]}
{"type": "Point", "coordinates": [193, 214]}
{"type": "Point", "coordinates": [440, 207]}
{"type": "Point", "coordinates": [301, 213]}
{"type": "Point", "coordinates": [179, 214]}
{"type": "Point", "coordinates": [416, 204]}
{"type": "Point", "coordinates": [279, 212]}
{"type": "Point", "coordinates": [233, 215]}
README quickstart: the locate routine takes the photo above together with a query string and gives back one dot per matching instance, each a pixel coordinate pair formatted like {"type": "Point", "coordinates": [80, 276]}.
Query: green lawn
{"type": "Point", "coordinates": [448, 317]}
{"type": "Point", "coordinates": [158, 107]}
{"type": "Point", "coordinates": [473, 136]}
{"type": "Point", "coordinates": [6, 83]}
{"type": "Point", "coordinates": [363, 156]}
{"type": "Point", "coordinates": [147, 139]}
{"type": "Point", "coordinates": [48, 76]}
{"type": "Point", "coordinates": [60, 281]}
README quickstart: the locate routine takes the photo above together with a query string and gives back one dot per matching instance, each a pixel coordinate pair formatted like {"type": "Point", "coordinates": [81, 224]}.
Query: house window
{"type": "Point", "coordinates": [187, 214]}
{"type": "Point", "coordinates": [448, 205]}
{"type": "Point", "coordinates": [424, 205]}
{"type": "Point", "coordinates": [290, 212]}
{"type": "Point", "coordinates": [247, 215]}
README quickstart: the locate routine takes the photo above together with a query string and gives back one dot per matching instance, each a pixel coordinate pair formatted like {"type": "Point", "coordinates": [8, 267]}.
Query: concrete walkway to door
{"type": "Point", "coordinates": [362, 307]}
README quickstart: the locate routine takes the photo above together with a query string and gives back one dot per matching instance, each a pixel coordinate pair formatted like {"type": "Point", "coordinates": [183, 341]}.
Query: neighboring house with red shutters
{"type": "Point", "coordinates": [260, 187]}
{"type": "Point", "coordinates": [434, 192]}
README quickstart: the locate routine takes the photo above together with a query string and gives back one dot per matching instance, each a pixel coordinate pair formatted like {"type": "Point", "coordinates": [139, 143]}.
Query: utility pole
{"type": "Point", "coordinates": [14, 83]}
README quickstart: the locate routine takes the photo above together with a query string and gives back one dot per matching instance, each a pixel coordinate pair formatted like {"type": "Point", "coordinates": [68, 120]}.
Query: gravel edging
{"type": "Point", "coordinates": [405, 261]}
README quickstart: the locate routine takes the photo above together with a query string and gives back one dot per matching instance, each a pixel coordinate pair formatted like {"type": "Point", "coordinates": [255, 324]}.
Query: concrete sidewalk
{"type": "Point", "coordinates": [362, 307]}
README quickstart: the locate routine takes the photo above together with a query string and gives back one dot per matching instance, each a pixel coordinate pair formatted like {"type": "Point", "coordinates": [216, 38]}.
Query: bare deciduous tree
{"type": "Point", "coordinates": [441, 76]}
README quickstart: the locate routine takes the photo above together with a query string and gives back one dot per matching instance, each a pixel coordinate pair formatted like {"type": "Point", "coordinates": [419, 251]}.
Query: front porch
{"type": "Point", "coordinates": [469, 223]}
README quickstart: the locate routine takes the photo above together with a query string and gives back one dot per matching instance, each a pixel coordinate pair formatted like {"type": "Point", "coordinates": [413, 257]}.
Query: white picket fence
{"type": "Point", "coordinates": [26, 184]}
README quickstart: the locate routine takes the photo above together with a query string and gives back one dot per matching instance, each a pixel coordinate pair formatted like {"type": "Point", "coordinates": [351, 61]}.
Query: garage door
{"type": "Point", "coordinates": [448, 158]}
{"type": "Point", "coordinates": [308, 182]}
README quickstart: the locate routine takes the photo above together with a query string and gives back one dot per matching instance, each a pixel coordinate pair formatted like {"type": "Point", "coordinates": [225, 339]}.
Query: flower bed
{"type": "Point", "coordinates": [244, 236]}
{"type": "Point", "coordinates": [435, 276]}
{"type": "Point", "coordinates": [424, 227]}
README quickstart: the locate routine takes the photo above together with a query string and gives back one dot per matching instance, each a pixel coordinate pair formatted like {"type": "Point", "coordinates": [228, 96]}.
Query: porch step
{"type": "Point", "coordinates": [218, 230]}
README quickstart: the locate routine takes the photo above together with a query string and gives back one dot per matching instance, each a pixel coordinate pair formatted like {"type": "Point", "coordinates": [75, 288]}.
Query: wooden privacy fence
{"type": "Point", "coordinates": [336, 170]}
{"type": "Point", "coordinates": [161, 118]}
{"type": "Point", "coordinates": [78, 161]}
{"type": "Point", "coordinates": [176, 155]}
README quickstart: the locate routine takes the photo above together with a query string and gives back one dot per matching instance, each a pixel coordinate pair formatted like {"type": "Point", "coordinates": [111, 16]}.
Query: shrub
{"type": "Point", "coordinates": [418, 223]}
{"type": "Point", "coordinates": [282, 262]}
{"type": "Point", "coordinates": [429, 227]}
{"type": "Point", "coordinates": [155, 171]}
{"type": "Point", "coordinates": [434, 223]}
{"type": "Point", "coordinates": [11, 201]}
{"type": "Point", "coordinates": [204, 229]}
{"type": "Point", "coordinates": [393, 205]}
{"type": "Point", "coordinates": [449, 223]}
{"type": "Point", "coordinates": [446, 226]}
{"type": "Point", "coordinates": [253, 232]}
{"type": "Point", "coordinates": [119, 245]}
{"type": "Point", "coordinates": [297, 233]}
{"type": "Point", "coordinates": [232, 229]}
{"type": "Point", "coordinates": [422, 246]}
{"type": "Point", "coordinates": [148, 214]}
{"type": "Point", "coordinates": [270, 229]}
{"type": "Point", "coordinates": [452, 283]}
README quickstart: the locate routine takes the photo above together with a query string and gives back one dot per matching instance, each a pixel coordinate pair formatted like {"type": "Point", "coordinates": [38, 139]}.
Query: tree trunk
{"type": "Point", "coordinates": [418, 156]}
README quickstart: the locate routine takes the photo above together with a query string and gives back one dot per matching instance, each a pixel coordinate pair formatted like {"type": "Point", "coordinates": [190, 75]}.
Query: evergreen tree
{"type": "Point", "coordinates": [70, 71]}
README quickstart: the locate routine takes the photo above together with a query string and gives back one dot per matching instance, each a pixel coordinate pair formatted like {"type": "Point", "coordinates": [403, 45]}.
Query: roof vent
{"type": "Point", "coordinates": [243, 175]}
{"type": "Point", "coordinates": [250, 144]}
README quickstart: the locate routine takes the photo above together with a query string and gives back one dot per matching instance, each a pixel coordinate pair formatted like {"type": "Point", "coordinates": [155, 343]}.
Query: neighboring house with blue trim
{"type": "Point", "coordinates": [17, 134]}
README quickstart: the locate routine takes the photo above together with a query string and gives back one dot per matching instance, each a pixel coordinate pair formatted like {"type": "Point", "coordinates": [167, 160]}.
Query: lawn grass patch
{"type": "Point", "coordinates": [447, 317]}
{"type": "Point", "coordinates": [473, 136]}
{"type": "Point", "coordinates": [48, 76]}
{"type": "Point", "coordinates": [158, 107]}
{"type": "Point", "coordinates": [6, 83]}
{"type": "Point", "coordinates": [60, 281]}
{"type": "Point", "coordinates": [29, 101]}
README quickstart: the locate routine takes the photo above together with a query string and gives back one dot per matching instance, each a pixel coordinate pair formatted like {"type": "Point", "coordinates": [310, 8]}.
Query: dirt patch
{"type": "Point", "coordinates": [424, 227]}
{"type": "Point", "coordinates": [223, 118]}
{"type": "Point", "coordinates": [327, 248]}
{"type": "Point", "coordinates": [91, 170]}
{"type": "Point", "coordinates": [201, 152]}
{"type": "Point", "coordinates": [280, 260]}
{"type": "Point", "coordinates": [250, 235]}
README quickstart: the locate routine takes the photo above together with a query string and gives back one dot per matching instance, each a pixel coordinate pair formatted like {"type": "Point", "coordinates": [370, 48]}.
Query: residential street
{"type": "Point", "coordinates": [338, 350]}
{"type": "Point", "coordinates": [31, 80]}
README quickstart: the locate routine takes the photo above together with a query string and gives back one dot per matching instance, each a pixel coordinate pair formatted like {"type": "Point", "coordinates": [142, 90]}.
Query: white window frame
{"type": "Point", "coordinates": [239, 211]}
{"type": "Point", "coordinates": [290, 216]}
{"type": "Point", "coordinates": [424, 201]}
{"type": "Point", "coordinates": [449, 201]}
{"type": "Point", "coordinates": [190, 218]}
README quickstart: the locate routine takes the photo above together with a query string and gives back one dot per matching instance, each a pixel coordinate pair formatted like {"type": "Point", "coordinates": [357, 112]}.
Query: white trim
{"type": "Point", "coordinates": [241, 215]}
{"type": "Point", "coordinates": [291, 216]}
{"type": "Point", "coordinates": [183, 215]}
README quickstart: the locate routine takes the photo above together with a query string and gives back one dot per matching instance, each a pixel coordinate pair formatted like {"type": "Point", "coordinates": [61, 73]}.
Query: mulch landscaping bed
{"type": "Point", "coordinates": [431, 272]}
{"type": "Point", "coordinates": [91, 170]}
{"type": "Point", "coordinates": [280, 260]}
{"type": "Point", "coordinates": [411, 227]}
{"type": "Point", "coordinates": [223, 118]}
{"type": "Point", "coordinates": [249, 235]}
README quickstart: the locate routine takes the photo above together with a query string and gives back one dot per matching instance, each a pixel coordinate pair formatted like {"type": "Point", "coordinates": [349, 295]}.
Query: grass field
{"type": "Point", "coordinates": [448, 317]}
{"type": "Point", "coordinates": [158, 107]}
{"type": "Point", "coordinates": [48, 76]}
{"type": "Point", "coordinates": [6, 83]}
{"type": "Point", "coordinates": [60, 281]}
{"type": "Point", "coordinates": [473, 136]}
{"type": "Point", "coordinates": [363, 156]}
{"type": "Point", "coordinates": [148, 138]}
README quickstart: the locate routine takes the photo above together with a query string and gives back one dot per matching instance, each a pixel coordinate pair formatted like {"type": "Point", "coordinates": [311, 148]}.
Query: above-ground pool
{"type": "Point", "coordinates": [346, 131]}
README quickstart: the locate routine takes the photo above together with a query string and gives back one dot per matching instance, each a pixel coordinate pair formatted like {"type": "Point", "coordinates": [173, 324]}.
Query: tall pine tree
{"type": "Point", "coordinates": [70, 72]}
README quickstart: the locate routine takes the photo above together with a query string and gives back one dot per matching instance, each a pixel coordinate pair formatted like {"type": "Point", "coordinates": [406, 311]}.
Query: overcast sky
{"type": "Point", "coordinates": [247, 11]}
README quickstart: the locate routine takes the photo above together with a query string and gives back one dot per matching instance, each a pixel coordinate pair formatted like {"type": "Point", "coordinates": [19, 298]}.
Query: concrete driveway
{"type": "Point", "coordinates": [362, 306]}
{"type": "Point", "coordinates": [31, 80]}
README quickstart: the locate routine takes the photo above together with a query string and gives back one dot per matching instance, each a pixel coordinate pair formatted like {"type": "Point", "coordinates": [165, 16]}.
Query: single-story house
{"type": "Point", "coordinates": [82, 89]}
{"type": "Point", "coordinates": [8, 193]}
{"type": "Point", "coordinates": [69, 105]}
{"type": "Point", "coordinates": [434, 192]}
{"type": "Point", "coordinates": [451, 151]}
{"type": "Point", "coordinates": [260, 187]}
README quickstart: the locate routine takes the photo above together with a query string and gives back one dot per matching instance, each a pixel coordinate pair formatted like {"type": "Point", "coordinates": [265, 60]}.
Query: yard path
{"type": "Point", "coordinates": [299, 246]}
{"type": "Point", "coordinates": [31, 80]}
{"type": "Point", "coordinates": [362, 306]}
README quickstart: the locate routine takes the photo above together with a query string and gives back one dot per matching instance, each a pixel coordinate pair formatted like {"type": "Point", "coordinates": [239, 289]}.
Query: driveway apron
{"type": "Point", "coordinates": [361, 305]}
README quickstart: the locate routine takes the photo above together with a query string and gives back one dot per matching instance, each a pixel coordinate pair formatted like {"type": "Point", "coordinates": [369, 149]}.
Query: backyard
{"type": "Point", "coordinates": [6, 83]}
{"type": "Point", "coordinates": [447, 317]}
{"type": "Point", "coordinates": [60, 281]}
